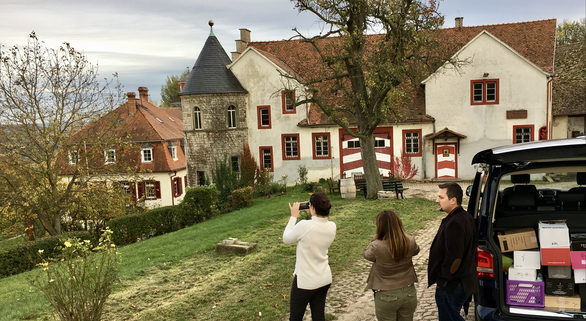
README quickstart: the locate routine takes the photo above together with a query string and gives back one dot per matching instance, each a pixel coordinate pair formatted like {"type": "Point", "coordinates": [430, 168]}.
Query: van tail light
{"type": "Point", "coordinates": [484, 264]}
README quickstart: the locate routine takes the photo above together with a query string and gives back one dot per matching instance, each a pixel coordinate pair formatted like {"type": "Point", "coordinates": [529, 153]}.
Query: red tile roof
{"type": "Point", "coordinates": [150, 124]}
{"type": "Point", "coordinates": [534, 40]}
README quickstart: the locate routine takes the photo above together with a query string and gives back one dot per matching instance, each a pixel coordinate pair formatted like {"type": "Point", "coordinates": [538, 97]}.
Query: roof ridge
{"type": "Point", "coordinates": [500, 24]}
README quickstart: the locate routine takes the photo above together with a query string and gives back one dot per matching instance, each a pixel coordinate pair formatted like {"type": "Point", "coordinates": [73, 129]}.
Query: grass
{"type": "Point", "coordinates": [6, 241]}
{"type": "Point", "coordinates": [179, 276]}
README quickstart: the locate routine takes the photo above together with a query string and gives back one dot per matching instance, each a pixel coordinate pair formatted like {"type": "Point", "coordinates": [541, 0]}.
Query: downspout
{"type": "Point", "coordinates": [548, 103]}
{"type": "Point", "coordinates": [172, 190]}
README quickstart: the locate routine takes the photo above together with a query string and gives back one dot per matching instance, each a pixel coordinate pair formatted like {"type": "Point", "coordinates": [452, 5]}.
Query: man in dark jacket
{"type": "Point", "coordinates": [452, 256]}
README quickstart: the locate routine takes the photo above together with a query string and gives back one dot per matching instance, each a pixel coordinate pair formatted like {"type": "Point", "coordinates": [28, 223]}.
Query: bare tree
{"type": "Point", "coordinates": [370, 57]}
{"type": "Point", "coordinates": [46, 96]}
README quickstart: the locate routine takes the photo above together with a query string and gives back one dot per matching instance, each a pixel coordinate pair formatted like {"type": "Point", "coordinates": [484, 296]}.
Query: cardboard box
{"type": "Point", "coordinates": [562, 303]}
{"type": "Point", "coordinates": [556, 257]}
{"type": "Point", "coordinates": [516, 240]}
{"type": "Point", "coordinates": [578, 259]}
{"type": "Point", "coordinates": [580, 276]}
{"type": "Point", "coordinates": [559, 272]}
{"type": "Point", "coordinates": [522, 274]}
{"type": "Point", "coordinates": [527, 260]}
{"type": "Point", "coordinates": [554, 234]}
{"type": "Point", "coordinates": [563, 287]}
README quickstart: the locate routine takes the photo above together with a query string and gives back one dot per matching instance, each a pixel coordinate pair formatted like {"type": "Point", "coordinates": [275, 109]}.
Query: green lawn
{"type": "Point", "coordinates": [178, 276]}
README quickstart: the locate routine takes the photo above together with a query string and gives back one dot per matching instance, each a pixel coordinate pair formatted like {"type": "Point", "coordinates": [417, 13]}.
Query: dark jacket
{"type": "Point", "coordinates": [452, 256]}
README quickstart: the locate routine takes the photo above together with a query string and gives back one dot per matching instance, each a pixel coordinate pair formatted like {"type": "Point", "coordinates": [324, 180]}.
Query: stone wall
{"type": "Point", "coordinates": [214, 140]}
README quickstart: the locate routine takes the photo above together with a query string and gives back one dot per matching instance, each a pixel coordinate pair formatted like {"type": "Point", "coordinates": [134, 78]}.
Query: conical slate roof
{"type": "Point", "coordinates": [210, 74]}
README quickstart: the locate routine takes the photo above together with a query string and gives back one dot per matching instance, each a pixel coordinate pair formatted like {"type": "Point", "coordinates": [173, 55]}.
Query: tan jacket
{"type": "Point", "coordinates": [386, 273]}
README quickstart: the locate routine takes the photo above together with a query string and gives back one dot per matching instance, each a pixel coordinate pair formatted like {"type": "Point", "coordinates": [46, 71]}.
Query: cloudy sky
{"type": "Point", "coordinates": [144, 41]}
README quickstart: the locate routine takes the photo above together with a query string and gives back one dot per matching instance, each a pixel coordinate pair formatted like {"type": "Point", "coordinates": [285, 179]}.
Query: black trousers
{"type": "Point", "coordinates": [300, 298]}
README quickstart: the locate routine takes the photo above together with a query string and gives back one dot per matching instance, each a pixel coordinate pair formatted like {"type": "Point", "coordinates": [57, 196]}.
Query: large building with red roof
{"type": "Point", "coordinates": [145, 138]}
{"type": "Point", "coordinates": [501, 95]}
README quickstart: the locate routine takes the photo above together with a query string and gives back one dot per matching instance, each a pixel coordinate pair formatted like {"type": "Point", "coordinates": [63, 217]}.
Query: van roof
{"type": "Point", "coordinates": [543, 151]}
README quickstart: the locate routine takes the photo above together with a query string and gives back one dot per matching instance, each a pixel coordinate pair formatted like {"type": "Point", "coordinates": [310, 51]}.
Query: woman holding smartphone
{"type": "Point", "coordinates": [392, 276]}
{"type": "Point", "coordinates": [312, 276]}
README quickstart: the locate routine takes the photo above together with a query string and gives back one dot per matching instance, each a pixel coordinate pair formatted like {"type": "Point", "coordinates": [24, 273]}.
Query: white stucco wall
{"type": "Point", "coordinates": [261, 79]}
{"type": "Point", "coordinates": [522, 86]}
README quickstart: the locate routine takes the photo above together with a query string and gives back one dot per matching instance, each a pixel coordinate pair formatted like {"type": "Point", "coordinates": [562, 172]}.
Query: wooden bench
{"type": "Point", "coordinates": [334, 186]}
{"type": "Point", "coordinates": [392, 186]}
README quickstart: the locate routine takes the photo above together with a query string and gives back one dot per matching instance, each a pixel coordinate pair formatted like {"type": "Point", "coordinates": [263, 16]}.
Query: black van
{"type": "Point", "coordinates": [526, 184]}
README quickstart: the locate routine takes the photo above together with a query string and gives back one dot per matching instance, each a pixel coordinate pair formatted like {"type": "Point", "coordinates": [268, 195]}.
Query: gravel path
{"type": "Point", "coordinates": [349, 301]}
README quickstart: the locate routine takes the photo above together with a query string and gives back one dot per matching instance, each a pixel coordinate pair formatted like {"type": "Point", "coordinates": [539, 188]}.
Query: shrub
{"type": "Point", "coordinates": [225, 179]}
{"type": "Point", "coordinates": [24, 257]}
{"type": "Point", "coordinates": [77, 287]}
{"type": "Point", "coordinates": [249, 169]}
{"type": "Point", "coordinates": [264, 183]}
{"type": "Point", "coordinates": [240, 197]}
{"type": "Point", "coordinates": [132, 228]}
{"type": "Point", "coordinates": [403, 169]}
{"type": "Point", "coordinates": [198, 204]}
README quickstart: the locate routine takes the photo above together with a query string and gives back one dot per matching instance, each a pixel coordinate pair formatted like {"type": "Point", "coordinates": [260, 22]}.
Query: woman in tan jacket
{"type": "Point", "coordinates": [392, 276]}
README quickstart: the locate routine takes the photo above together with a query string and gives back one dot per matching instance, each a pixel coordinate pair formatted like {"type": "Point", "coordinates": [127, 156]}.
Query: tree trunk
{"type": "Point", "coordinates": [47, 224]}
{"type": "Point", "coordinates": [370, 166]}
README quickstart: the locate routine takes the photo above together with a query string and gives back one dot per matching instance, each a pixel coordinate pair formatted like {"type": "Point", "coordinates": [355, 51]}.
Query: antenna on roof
{"type": "Point", "coordinates": [211, 23]}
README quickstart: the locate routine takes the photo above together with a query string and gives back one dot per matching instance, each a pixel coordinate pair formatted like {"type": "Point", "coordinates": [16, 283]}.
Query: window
{"type": "Point", "coordinates": [235, 163]}
{"type": "Point", "coordinates": [177, 187]}
{"type": "Point", "coordinates": [288, 101]}
{"type": "Point", "coordinates": [201, 178]}
{"type": "Point", "coordinates": [379, 143]}
{"type": "Point", "coordinates": [173, 150]}
{"type": "Point", "coordinates": [196, 118]}
{"type": "Point", "coordinates": [129, 188]}
{"type": "Point", "coordinates": [484, 92]}
{"type": "Point", "coordinates": [321, 145]}
{"type": "Point", "coordinates": [263, 113]}
{"type": "Point", "coordinates": [354, 144]}
{"type": "Point", "coordinates": [412, 142]}
{"type": "Point", "coordinates": [266, 157]}
{"type": "Point", "coordinates": [110, 155]}
{"type": "Point", "coordinates": [522, 134]}
{"type": "Point", "coordinates": [149, 189]}
{"type": "Point", "coordinates": [147, 153]}
{"type": "Point", "coordinates": [231, 117]}
{"type": "Point", "coordinates": [73, 156]}
{"type": "Point", "coordinates": [290, 144]}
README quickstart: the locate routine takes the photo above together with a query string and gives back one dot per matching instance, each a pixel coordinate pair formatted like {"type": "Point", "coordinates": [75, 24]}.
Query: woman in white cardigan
{"type": "Point", "coordinates": [312, 276]}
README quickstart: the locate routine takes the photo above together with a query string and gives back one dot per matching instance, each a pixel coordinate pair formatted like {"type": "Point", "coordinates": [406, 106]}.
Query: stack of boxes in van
{"type": "Point", "coordinates": [564, 287]}
{"type": "Point", "coordinates": [560, 289]}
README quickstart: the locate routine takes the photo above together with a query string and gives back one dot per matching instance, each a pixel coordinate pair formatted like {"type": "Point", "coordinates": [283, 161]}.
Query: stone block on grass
{"type": "Point", "coordinates": [233, 246]}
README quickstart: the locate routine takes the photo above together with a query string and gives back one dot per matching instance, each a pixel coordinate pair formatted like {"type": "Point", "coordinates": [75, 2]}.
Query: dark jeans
{"type": "Point", "coordinates": [300, 298]}
{"type": "Point", "coordinates": [450, 304]}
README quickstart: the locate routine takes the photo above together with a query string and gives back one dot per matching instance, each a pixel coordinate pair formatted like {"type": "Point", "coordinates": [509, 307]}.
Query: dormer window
{"type": "Point", "coordinates": [231, 117]}
{"type": "Point", "coordinates": [73, 156]}
{"type": "Point", "coordinates": [147, 153]}
{"type": "Point", "coordinates": [173, 150]}
{"type": "Point", "coordinates": [110, 155]}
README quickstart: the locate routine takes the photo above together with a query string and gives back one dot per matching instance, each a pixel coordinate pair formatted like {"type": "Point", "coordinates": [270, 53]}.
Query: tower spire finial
{"type": "Point", "coordinates": [211, 23]}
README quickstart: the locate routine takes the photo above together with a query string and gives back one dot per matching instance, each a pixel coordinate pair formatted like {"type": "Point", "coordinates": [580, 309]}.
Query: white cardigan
{"type": "Point", "coordinates": [314, 237]}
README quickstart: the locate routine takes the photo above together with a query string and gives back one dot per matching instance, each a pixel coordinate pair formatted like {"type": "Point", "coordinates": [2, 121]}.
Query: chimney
{"type": "Point", "coordinates": [143, 93]}
{"type": "Point", "coordinates": [459, 22]}
{"type": "Point", "coordinates": [241, 43]}
{"type": "Point", "coordinates": [131, 103]}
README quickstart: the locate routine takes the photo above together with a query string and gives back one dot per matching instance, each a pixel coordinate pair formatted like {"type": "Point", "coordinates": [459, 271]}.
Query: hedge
{"type": "Point", "coordinates": [24, 257]}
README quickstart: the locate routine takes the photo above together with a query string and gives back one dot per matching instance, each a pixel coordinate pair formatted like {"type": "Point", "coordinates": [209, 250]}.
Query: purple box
{"type": "Point", "coordinates": [525, 293]}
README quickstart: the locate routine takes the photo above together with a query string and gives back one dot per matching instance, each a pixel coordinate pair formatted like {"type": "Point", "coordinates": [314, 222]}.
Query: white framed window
{"type": "Point", "coordinates": [73, 156]}
{"type": "Point", "coordinates": [321, 145]}
{"type": "Point", "coordinates": [149, 189]}
{"type": "Point", "coordinates": [110, 155]}
{"type": "Point", "coordinates": [147, 153]}
{"type": "Point", "coordinates": [412, 142]}
{"type": "Point", "coordinates": [231, 117]}
{"type": "Point", "coordinates": [173, 150]}
{"type": "Point", "coordinates": [196, 118]}
{"type": "Point", "coordinates": [290, 143]}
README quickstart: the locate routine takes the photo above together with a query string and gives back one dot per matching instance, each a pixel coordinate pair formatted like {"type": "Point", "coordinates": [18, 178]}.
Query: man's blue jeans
{"type": "Point", "coordinates": [450, 304]}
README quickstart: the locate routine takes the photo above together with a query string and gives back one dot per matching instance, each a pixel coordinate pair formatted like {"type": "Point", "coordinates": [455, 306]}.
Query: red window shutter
{"type": "Point", "coordinates": [141, 190]}
{"type": "Point", "coordinates": [185, 179]}
{"type": "Point", "coordinates": [133, 190]}
{"type": "Point", "coordinates": [158, 189]}
{"type": "Point", "coordinates": [179, 186]}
